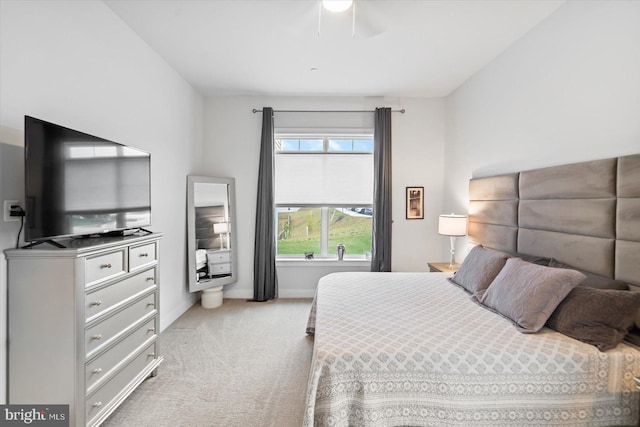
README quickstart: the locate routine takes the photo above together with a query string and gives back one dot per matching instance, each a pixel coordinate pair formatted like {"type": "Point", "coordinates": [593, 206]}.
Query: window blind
{"type": "Point", "coordinates": [323, 179]}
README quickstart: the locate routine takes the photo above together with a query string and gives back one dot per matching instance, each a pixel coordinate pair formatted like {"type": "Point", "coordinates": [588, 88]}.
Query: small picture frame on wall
{"type": "Point", "coordinates": [415, 202]}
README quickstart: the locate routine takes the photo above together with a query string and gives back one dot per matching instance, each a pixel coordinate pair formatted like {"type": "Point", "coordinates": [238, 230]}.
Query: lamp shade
{"type": "Point", "coordinates": [220, 227]}
{"type": "Point", "coordinates": [452, 225]}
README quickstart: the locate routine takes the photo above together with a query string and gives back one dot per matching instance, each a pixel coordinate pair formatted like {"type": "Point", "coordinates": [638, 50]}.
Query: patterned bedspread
{"type": "Point", "coordinates": [399, 349]}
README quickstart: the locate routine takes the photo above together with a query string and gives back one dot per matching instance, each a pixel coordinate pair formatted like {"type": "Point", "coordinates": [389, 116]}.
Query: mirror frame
{"type": "Point", "coordinates": [194, 284]}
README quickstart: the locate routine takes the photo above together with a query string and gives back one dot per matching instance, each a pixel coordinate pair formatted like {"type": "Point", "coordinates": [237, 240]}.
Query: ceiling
{"type": "Point", "coordinates": [294, 47]}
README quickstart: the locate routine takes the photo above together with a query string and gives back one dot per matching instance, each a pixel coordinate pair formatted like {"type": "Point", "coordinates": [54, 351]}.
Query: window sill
{"type": "Point", "coordinates": [322, 262]}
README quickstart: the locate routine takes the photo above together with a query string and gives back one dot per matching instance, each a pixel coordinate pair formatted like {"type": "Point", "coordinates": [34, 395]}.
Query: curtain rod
{"type": "Point", "coordinates": [402, 111]}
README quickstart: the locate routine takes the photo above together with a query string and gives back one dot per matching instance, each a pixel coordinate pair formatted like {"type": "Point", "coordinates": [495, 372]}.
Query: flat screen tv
{"type": "Point", "coordinates": [78, 184]}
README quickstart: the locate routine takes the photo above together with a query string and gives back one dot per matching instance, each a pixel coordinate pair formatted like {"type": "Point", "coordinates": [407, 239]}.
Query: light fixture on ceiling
{"type": "Point", "coordinates": [337, 5]}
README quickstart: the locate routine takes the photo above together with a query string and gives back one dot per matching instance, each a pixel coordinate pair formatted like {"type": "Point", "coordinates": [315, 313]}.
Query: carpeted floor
{"type": "Point", "coordinates": [242, 364]}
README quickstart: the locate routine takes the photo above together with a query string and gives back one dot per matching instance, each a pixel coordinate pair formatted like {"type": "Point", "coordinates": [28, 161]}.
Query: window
{"type": "Point", "coordinates": [300, 144]}
{"type": "Point", "coordinates": [323, 194]}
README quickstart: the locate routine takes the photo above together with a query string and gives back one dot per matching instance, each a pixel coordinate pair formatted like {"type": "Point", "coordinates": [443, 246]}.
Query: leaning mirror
{"type": "Point", "coordinates": [211, 232]}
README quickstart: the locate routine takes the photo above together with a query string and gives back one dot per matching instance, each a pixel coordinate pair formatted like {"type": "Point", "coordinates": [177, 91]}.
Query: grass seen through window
{"type": "Point", "coordinates": [299, 230]}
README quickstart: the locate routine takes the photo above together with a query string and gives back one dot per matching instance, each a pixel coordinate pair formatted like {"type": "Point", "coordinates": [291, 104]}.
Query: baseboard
{"type": "Point", "coordinates": [238, 294]}
{"type": "Point", "coordinates": [296, 293]}
{"type": "Point", "coordinates": [282, 293]}
{"type": "Point", "coordinates": [166, 319]}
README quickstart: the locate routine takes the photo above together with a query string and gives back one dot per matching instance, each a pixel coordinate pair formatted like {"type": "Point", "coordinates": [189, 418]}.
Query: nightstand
{"type": "Point", "coordinates": [442, 267]}
{"type": "Point", "coordinates": [219, 262]}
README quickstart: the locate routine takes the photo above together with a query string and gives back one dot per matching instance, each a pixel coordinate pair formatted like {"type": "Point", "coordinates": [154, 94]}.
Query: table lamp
{"type": "Point", "coordinates": [221, 228]}
{"type": "Point", "coordinates": [452, 226]}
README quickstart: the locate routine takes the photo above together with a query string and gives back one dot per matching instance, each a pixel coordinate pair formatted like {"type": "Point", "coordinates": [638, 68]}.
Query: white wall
{"type": "Point", "coordinates": [232, 146]}
{"type": "Point", "coordinates": [299, 278]}
{"type": "Point", "coordinates": [77, 64]}
{"type": "Point", "coordinates": [568, 91]}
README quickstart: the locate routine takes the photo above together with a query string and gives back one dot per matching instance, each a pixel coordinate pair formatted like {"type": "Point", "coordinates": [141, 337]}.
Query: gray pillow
{"type": "Point", "coordinates": [593, 280]}
{"type": "Point", "coordinates": [601, 317]}
{"type": "Point", "coordinates": [479, 269]}
{"type": "Point", "coordinates": [527, 294]}
{"type": "Point", "coordinates": [540, 260]}
{"type": "Point", "coordinates": [633, 336]}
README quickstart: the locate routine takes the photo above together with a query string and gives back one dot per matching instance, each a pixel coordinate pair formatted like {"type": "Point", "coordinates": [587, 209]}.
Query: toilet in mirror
{"type": "Point", "coordinates": [211, 236]}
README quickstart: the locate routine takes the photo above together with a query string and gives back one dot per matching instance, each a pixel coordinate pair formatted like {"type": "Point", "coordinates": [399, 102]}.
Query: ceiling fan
{"type": "Point", "coordinates": [363, 26]}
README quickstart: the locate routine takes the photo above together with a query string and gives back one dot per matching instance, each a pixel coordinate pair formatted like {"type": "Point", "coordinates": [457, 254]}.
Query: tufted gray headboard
{"type": "Point", "coordinates": [583, 214]}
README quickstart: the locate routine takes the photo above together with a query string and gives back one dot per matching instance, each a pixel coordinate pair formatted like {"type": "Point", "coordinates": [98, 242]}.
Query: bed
{"type": "Point", "coordinates": [201, 262]}
{"type": "Point", "coordinates": [404, 349]}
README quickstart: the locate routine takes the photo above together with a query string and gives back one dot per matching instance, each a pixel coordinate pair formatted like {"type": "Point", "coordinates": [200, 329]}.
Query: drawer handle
{"type": "Point", "coordinates": [151, 329]}
{"type": "Point", "coordinates": [97, 371]}
{"type": "Point", "coordinates": [96, 337]}
{"type": "Point", "coordinates": [151, 355]}
{"type": "Point", "coordinates": [144, 254]}
{"type": "Point", "coordinates": [98, 302]}
{"type": "Point", "coordinates": [105, 266]}
{"type": "Point", "coordinates": [97, 404]}
{"type": "Point", "coordinates": [150, 279]}
{"type": "Point", "coordinates": [152, 304]}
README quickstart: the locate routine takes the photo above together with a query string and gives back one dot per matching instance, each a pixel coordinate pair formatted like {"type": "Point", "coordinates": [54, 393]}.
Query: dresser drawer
{"type": "Point", "coordinates": [104, 266]}
{"type": "Point", "coordinates": [142, 255]}
{"type": "Point", "coordinates": [219, 268]}
{"type": "Point", "coordinates": [102, 367]}
{"type": "Point", "coordinates": [101, 300]}
{"type": "Point", "coordinates": [104, 332]}
{"type": "Point", "coordinates": [219, 256]}
{"type": "Point", "coordinates": [104, 398]}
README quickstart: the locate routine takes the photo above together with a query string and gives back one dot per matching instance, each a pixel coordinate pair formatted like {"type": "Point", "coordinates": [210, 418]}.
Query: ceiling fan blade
{"type": "Point", "coordinates": [366, 23]}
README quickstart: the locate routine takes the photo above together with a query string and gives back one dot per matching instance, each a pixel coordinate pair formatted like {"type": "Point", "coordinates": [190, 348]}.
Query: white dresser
{"type": "Point", "coordinates": [83, 323]}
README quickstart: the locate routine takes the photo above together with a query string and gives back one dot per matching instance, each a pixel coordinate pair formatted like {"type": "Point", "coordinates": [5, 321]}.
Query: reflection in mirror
{"type": "Point", "coordinates": [210, 227]}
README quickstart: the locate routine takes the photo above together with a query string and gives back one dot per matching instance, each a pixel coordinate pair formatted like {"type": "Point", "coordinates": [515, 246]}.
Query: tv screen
{"type": "Point", "coordinates": [78, 184]}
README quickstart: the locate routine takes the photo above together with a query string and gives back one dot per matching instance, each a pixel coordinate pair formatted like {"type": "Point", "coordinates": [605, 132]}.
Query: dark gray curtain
{"type": "Point", "coordinates": [265, 277]}
{"type": "Point", "coordinates": [381, 247]}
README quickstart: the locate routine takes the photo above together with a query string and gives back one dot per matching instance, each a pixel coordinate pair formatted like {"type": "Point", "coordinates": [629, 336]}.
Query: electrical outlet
{"type": "Point", "coordinates": [7, 210]}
